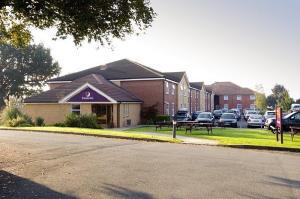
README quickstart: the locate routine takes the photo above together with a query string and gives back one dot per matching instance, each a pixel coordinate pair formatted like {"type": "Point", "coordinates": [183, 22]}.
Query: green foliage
{"type": "Point", "coordinates": [24, 71]}
{"type": "Point", "coordinates": [261, 101]}
{"type": "Point", "coordinates": [271, 101]}
{"type": "Point", "coordinates": [83, 20]}
{"type": "Point", "coordinates": [285, 102]}
{"type": "Point", "coordinates": [161, 118]}
{"type": "Point", "coordinates": [13, 117]}
{"type": "Point", "coordinates": [39, 121]}
{"type": "Point", "coordinates": [60, 124]}
{"type": "Point", "coordinates": [82, 121]}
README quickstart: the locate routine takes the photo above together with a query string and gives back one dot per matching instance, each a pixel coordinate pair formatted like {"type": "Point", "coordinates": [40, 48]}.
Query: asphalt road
{"type": "Point", "coordinates": [42, 165]}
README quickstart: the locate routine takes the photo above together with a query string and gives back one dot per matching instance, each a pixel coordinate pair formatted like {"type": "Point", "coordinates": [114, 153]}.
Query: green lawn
{"type": "Point", "coordinates": [96, 132]}
{"type": "Point", "coordinates": [229, 136]}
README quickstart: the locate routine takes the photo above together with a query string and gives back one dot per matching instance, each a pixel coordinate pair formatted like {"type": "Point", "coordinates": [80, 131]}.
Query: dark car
{"type": "Point", "coordinates": [292, 119]}
{"type": "Point", "coordinates": [205, 117]}
{"type": "Point", "coordinates": [195, 115]}
{"type": "Point", "coordinates": [182, 116]}
{"type": "Point", "coordinates": [228, 119]}
{"type": "Point", "coordinates": [217, 114]}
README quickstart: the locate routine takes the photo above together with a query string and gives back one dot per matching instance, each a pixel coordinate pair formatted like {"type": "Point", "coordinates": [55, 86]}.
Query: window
{"type": "Point", "coordinates": [239, 106]}
{"type": "Point", "coordinates": [167, 111]}
{"type": "Point", "coordinates": [252, 106]}
{"type": "Point", "coordinates": [173, 89]}
{"type": "Point", "coordinates": [226, 97]}
{"type": "Point", "coordinates": [167, 87]}
{"type": "Point", "coordinates": [252, 97]}
{"type": "Point", "coordinates": [76, 109]}
{"type": "Point", "coordinates": [225, 106]}
{"type": "Point", "coordinates": [173, 109]}
{"type": "Point", "coordinates": [239, 97]}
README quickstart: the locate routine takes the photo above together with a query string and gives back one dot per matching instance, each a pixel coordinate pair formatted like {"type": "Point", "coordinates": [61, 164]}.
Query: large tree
{"type": "Point", "coordinates": [99, 20]}
{"type": "Point", "coordinates": [24, 71]}
{"type": "Point", "coordinates": [286, 101]}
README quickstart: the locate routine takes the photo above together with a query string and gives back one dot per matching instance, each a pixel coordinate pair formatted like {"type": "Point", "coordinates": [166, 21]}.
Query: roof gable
{"type": "Point", "coordinates": [229, 88]}
{"type": "Point", "coordinates": [174, 76]}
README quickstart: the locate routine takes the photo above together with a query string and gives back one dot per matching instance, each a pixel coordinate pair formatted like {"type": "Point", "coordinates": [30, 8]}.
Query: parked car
{"type": "Point", "coordinates": [205, 117]}
{"type": "Point", "coordinates": [236, 113]}
{"type": "Point", "coordinates": [249, 113]}
{"type": "Point", "coordinates": [217, 114]}
{"type": "Point", "coordinates": [269, 114]}
{"type": "Point", "coordinates": [228, 119]}
{"type": "Point", "coordinates": [295, 107]}
{"type": "Point", "coordinates": [255, 121]}
{"type": "Point", "coordinates": [269, 122]}
{"type": "Point", "coordinates": [182, 115]}
{"type": "Point", "coordinates": [195, 115]}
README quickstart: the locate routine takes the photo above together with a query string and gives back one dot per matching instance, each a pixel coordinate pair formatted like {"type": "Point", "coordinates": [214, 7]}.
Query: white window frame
{"type": "Point", "coordinates": [226, 106]}
{"type": "Point", "coordinates": [167, 108]}
{"type": "Point", "coordinates": [75, 110]}
{"type": "Point", "coordinates": [173, 109]}
{"type": "Point", "coordinates": [239, 106]}
{"type": "Point", "coordinates": [173, 89]}
{"type": "Point", "coordinates": [252, 97]}
{"type": "Point", "coordinates": [167, 87]}
{"type": "Point", "coordinates": [239, 97]}
{"type": "Point", "coordinates": [226, 97]}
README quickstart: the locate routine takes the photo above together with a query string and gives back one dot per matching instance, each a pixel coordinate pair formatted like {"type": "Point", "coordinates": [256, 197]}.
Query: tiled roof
{"type": "Point", "coordinates": [96, 80]}
{"type": "Point", "coordinates": [174, 76]}
{"type": "Point", "coordinates": [122, 69]}
{"type": "Point", "coordinates": [197, 85]}
{"type": "Point", "coordinates": [229, 88]}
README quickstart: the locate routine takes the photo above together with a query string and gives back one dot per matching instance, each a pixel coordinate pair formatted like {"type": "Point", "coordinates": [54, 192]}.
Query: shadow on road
{"type": "Point", "coordinates": [121, 192]}
{"type": "Point", "coordinates": [285, 182]}
{"type": "Point", "coordinates": [15, 187]}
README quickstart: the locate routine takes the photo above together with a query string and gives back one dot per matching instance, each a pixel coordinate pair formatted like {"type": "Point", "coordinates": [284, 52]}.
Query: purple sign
{"type": "Point", "coordinates": [88, 95]}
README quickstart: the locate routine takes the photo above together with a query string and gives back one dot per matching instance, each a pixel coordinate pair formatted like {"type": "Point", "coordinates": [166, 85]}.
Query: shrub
{"type": "Point", "coordinates": [82, 121]}
{"type": "Point", "coordinates": [161, 118]}
{"type": "Point", "coordinates": [60, 124]}
{"type": "Point", "coordinates": [13, 117]}
{"type": "Point", "coordinates": [39, 121]}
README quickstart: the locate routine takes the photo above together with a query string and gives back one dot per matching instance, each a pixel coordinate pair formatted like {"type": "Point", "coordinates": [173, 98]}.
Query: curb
{"type": "Point", "coordinates": [94, 135]}
{"type": "Point", "coordinates": [263, 148]}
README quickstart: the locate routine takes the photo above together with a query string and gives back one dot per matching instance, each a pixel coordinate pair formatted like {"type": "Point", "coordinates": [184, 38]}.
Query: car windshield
{"type": "Point", "coordinates": [270, 113]}
{"type": "Point", "coordinates": [204, 115]}
{"type": "Point", "coordinates": [181, 114]}
{"type": "Point", "coordinates": [217, 112]}
{"type": "Point", "coordinates": [252, 113]}
{"type": "Point", "coordinates": [287, 116]}
{"type": "Point", "coordinates": [256, 117]}
{"type": "Point", "coordinates": [228, 116]}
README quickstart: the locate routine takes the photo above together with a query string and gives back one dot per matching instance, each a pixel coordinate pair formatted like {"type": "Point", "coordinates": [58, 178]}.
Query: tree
{"type": "Point", "coordinates": [286, 101]}
{"type": "Point", "coordinates": [261, 101]}
{"type": "Point", "coordinates": [297, 101]}
{"type": "Point", "coordinates": [271, 101]}
{"type": "Point", "coordinates": [24, 71]}
{"type": "Point", "coordinates": [96, 20]}
{"type": "Point", "coordinates": [278, 92]}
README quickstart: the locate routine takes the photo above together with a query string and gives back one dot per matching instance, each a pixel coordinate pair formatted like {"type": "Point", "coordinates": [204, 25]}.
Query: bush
{"type": "Point", "coordinates": [82, 121]}
{"type": "Point", "coordinates": [13, 117]}
{"type": "Point", "coordinates": [60, 124]}
{"type": "Point", "coordinates": [162, 118]}
{"type": "Point", "coordinates": [39, 121]}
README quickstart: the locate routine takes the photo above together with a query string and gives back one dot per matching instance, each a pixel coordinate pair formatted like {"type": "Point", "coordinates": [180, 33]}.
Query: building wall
{"type": "Point", "coordinates": [133, 114]}
{"type": "Point", "coordinates": [150, 91]}
{"type": "Point", "coordinates": [212, 104]}
{"type": "Point", "coordinates": [202, 100]}
{"type": "Point", "coordinates": [233, 102]}
{"type": "Point", "coordinates": [183, 94]}
{"type": "Point", "coordinates": [170, 98]}
{"type": "Point", "coordinates": [194, 100]}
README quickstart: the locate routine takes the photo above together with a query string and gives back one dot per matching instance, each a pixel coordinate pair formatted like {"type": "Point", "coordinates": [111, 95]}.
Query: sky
{"type": "Point", "coordinates": [248, 42]}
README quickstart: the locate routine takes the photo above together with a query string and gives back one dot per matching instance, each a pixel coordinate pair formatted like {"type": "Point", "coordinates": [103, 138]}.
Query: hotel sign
{"type": "Point", "coordinates": [88, 95]}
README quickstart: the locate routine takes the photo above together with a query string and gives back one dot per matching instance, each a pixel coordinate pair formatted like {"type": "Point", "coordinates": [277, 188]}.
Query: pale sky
{"type": "Point", "coordinates": [248, 42]}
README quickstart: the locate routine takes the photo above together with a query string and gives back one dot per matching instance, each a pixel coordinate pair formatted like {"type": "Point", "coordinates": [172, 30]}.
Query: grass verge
{"type": "Point", "coordinates": [95, 132]}
{"type": "Point", "coordinates": [232, 137]}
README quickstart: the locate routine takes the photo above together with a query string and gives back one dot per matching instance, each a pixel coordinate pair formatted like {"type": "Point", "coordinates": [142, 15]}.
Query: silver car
{"type": "Point", "coordinates": [255, 121]}
{"type": "Point", "coordinates": [269, 115]}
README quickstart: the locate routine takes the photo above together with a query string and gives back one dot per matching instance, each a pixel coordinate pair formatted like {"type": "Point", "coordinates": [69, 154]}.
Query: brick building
{"type": "Point", "coordinates": [229, 95]}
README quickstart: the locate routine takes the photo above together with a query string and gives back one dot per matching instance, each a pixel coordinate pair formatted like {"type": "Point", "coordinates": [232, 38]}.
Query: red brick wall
{"type": "Point", "coordinates": [150, 91]}
{"type": "Point", "coordinates": [233, 102]}
{"type": "Point", "coordinates": [194, 100]}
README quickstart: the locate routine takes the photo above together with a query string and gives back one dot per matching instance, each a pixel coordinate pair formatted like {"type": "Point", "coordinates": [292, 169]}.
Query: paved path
{"type": "Point", "coordinates": [50, 166]}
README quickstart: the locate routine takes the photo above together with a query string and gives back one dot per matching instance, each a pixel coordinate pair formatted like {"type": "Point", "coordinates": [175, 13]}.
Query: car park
{"type": "Point", "coordinates": [228, 119]}
{"type": "Point", "coordinates": [217, 114]}
{"type": "Point", "coordinates": [205, 117]}
{"type": "Point", "coordinates": [249, 113]}
{"type": "Point", "coordinates": [255, 121]}
{"type": "Point", "coordinates": [182, 115]}
{"type": "Point", "coordinates": [295, 107]}
{"type": "Point", "coordinates": [195, 115]}
{"type": "Point", "coordinates": [269, 114]}
{"type": "Point", "coordinates": [236, 113]}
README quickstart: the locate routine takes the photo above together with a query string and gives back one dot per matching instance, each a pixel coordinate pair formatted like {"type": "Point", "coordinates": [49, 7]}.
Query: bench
{"type": "Point", "coordinates": [190, 126]}
{"type": "Point", "coordinates": [158, 125]}
{"type": "Point", "coordinates": [294, 130]}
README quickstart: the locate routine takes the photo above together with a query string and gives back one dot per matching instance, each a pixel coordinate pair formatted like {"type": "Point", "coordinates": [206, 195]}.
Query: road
{"type": "Point", "coordinates": [43, 165]}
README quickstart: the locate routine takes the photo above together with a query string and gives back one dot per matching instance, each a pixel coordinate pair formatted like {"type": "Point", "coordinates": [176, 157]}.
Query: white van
{"type": "Point", "coordinates": [295, 107]}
